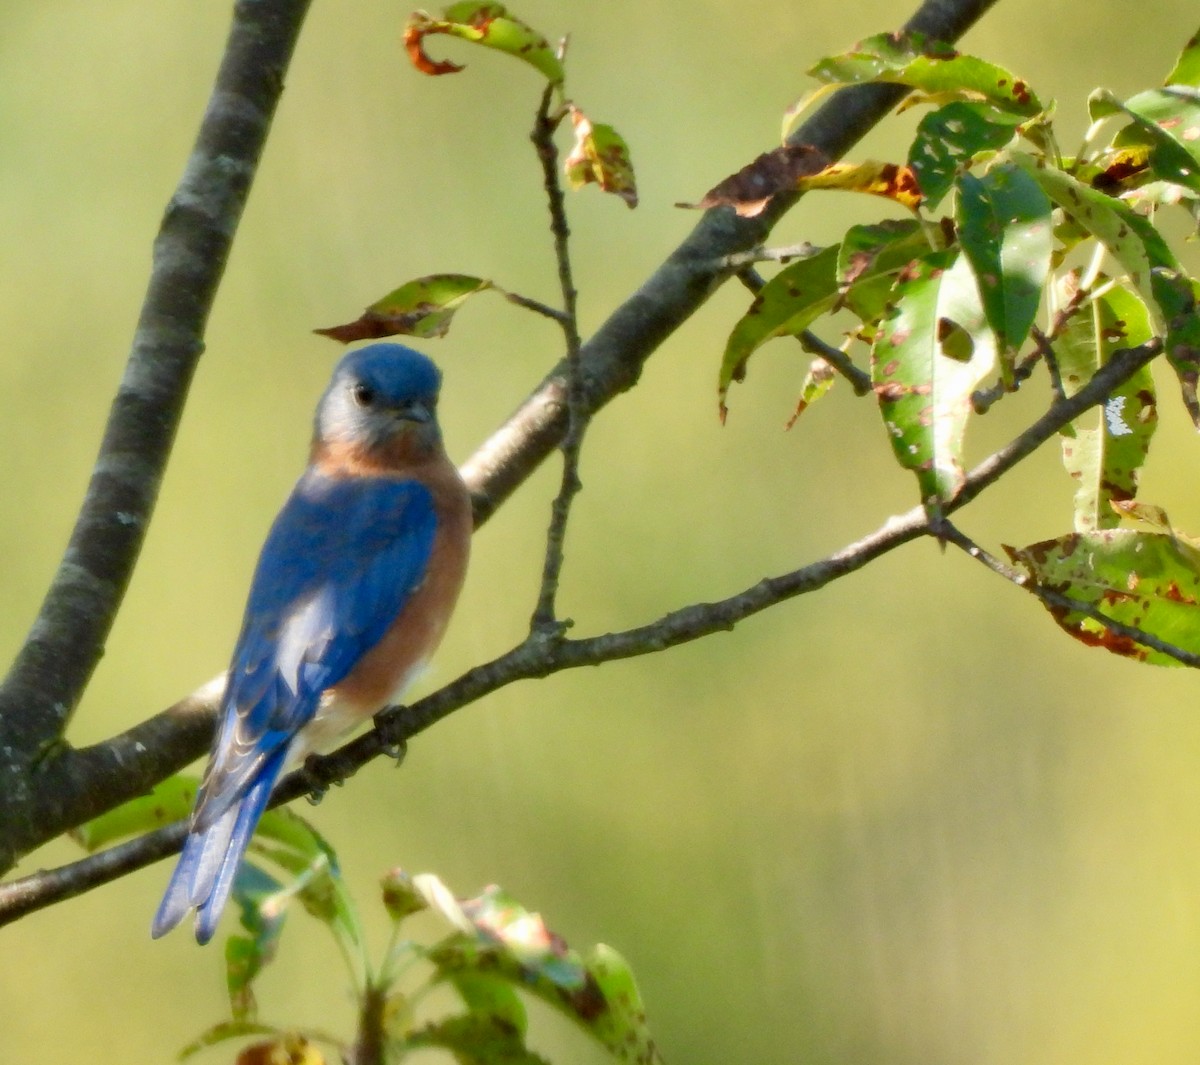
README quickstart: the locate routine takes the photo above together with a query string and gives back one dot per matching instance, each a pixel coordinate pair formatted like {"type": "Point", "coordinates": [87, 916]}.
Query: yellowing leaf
{"type": "Point", "coordinates": [889, 180]}
{"type": "Point", "coordinates": [486, 24]}
{"type": "Point", "coordinates": [600, 155]}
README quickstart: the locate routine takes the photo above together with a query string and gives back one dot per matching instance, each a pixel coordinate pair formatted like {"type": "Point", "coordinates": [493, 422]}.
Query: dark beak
{"type": "Point", "coordinates": [417, 410]}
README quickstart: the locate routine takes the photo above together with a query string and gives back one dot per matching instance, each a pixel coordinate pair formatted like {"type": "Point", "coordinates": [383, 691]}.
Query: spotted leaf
{"type": "Point", "coordinates": [1147, 580]}
{"type": "Point", "coordinates": [421, 308]}
{"type": "Point", "coordinates": [1104, 451]}
{"type": "Point", "coordinates": [922, 379]}
{"type": "Point", "coordinates": [600, 156]}
{"type": "Point", "coordinates": [1006, 233]}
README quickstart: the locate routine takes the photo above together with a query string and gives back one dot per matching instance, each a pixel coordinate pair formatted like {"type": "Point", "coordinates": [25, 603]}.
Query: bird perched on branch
{"type": "Point", "coordinates": [351, 595]}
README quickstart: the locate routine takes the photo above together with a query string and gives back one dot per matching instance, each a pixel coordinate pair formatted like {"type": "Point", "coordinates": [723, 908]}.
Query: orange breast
{"type": "Point", "coordinates": [383, 673]}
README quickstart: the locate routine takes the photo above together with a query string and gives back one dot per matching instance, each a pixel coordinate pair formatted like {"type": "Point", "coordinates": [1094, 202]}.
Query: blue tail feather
{"type": "Point", "coordinates": [209, 862]}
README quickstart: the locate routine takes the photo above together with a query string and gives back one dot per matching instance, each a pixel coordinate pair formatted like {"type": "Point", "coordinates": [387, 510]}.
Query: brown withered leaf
{"type": "Point", "coordinates": [368, 327]}
{"type": "Point", "coordinates": [752, 188]}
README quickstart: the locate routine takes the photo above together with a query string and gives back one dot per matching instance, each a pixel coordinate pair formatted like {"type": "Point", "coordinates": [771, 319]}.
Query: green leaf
{"type": "Point", "coordinates": [422, 307]}
{"type": "Point", "coordinates": [1129, 238]}
{"type": "Point", "coordinates": [315, 881]}
{"type": "Point", "coordinates": [475, 1039]}
{"type": "Point", "coordinates": [932, 67]}
{"type": "Point", "coordinates": [951, 139]}
{"type": "Point", "coordinates": [601, 156]}
{"type": "Point", "coordinates": [924, 390]}
{"type": "Point", "coordinates": [1143, 579]}
{"type": "Point", "coordinates": [247, 955]}
{"type": "Point", "coordinates": [1151, 265]}
{"type": "Point", "coordinates": [486, 24]}
{"type": "Point", "coordinates": [491, 996]}
{"type": "Point", "coordinates": [499, 938]}
{"type": "Point", "coordinates": [1172, 118]}
{"type": "Point", "coordinates": [170, 801]}
{"type": "Point", "coordinates": [817, 382]}
{"type": "Point", "coordinates": [1005, 230]}
{"type": "Point", "coordinates": [1105, 457]}
{"type": "Point", "coordinates": [870, 258]}
{"type": "Point", "coordinates": [623, 1023]}
{"type": "Point", "coordinates": [1177, 296]}
{"type": "Point", "coordinates": [859, 271]}
{"type": "Point", "coordinates": [1187, 68]}
{"type": "Point", "coordinates": [787, 304]}
{"type": "Point", "coordinates": [223, 1032]}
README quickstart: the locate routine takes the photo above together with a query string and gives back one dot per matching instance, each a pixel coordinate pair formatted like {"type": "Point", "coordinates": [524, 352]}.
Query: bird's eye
{"type": "Point", "coordinates": [364, 395]}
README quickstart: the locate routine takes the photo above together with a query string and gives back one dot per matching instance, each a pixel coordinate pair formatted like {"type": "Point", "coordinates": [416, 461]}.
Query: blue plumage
{"type": "Point", "coordinates": [344, 557]}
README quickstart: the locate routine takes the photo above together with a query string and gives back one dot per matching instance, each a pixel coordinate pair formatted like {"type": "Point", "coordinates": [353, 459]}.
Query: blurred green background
{"type": "Point", "coordinates": [901, 821]}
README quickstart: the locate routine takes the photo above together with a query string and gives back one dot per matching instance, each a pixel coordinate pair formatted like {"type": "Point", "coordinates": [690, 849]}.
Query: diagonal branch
{"type": "Point", "coordinates": [75, 785]}
{"type": "Point", "coordinates": [612, 359]}
{"type": "Point", "coordinates": [539, 658]}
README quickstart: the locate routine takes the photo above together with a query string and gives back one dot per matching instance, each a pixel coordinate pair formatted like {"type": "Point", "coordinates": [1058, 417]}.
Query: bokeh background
{"type": "Point", "coordinates": [904, 820]}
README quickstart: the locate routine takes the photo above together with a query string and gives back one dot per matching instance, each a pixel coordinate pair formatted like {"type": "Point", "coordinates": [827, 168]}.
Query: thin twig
{"type": "Point", "coordinates": [545, 619]}
{"type": "Point", "coordinates": [544, 309]}
{"type": "Point", "coordinates": [762, 254]}
{"type": "Point", "coordinates": [983, 399]}
{"type": "Point", "coordinates": [1044, 348]}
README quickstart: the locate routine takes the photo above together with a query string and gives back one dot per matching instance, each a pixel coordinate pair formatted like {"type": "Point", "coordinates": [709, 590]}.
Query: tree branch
{"type": "Point", "coordinates": [66, 641]}
{"type": "Point", "coordinates": [73, 786]}
{"type": "Point", "coordinates": [539, 658]}
{"type": "Point", "coordinates": [611, 361]}
{"type": "Point", "coordinates": [545, 619]}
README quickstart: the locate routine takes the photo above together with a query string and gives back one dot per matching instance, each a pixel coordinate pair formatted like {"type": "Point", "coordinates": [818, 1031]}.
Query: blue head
{"type": "Point", "coordinates": [381, 395]}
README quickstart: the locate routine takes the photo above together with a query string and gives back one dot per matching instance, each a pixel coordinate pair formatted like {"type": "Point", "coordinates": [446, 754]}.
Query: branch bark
{"type": "Point", "coordinates": [66, 641]}
{"type": "Point", "coordinates": [43, 794]}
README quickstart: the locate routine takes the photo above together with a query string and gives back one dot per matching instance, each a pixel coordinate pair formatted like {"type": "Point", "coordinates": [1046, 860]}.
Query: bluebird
{"type": "Point", "coordinates": [351, 595]}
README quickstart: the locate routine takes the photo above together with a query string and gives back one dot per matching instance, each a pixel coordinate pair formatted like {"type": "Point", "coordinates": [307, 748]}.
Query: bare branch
{"type": "Point", "coordinates": [66, 641]}
{"type": "Point", "coordinates": [544, 618]}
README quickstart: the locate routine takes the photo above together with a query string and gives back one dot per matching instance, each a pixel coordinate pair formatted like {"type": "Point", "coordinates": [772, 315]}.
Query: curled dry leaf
{"type": "Point", "coordinates": [488, 24]}
{"type": "Point", "coordinates": [750, 190]}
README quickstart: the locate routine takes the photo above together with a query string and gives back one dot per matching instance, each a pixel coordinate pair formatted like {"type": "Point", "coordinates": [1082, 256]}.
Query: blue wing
{"type": "Point", "coordinates": [340, 562]}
